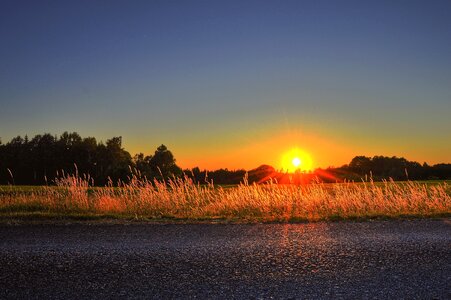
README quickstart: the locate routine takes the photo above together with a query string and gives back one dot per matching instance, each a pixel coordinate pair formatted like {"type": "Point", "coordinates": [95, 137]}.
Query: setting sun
{"type": "Point", "coordinates": [296, 160]}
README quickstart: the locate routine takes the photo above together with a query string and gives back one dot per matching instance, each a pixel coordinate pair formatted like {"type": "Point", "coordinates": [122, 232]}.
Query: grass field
{"type": "Point", "coordinates": [183, 200]}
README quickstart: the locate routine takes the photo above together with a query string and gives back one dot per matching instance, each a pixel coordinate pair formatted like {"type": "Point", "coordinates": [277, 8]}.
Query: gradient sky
{"type": "Point", "coordinates": [232, 83]}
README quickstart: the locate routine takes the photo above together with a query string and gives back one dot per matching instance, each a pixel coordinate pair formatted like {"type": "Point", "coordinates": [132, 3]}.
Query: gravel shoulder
{"type": "Point", "coordinates": [374, 259]}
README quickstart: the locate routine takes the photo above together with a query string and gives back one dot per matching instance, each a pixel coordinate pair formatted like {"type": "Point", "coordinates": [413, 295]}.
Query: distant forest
{"type": "Point", "coordinates": [41, 159]}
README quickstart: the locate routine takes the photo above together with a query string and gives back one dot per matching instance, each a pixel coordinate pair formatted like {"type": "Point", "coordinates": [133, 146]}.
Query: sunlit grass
{"type": "Point", "coordinates": [181, 199]}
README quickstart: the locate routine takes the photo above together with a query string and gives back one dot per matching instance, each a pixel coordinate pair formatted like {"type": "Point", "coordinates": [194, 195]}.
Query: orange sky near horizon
{"type": "Point", "coordinates": [268, 147]}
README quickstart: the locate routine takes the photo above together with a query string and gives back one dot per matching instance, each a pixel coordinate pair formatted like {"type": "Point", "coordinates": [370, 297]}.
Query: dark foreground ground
{"type": "Point", "coordinates": [378, 259]}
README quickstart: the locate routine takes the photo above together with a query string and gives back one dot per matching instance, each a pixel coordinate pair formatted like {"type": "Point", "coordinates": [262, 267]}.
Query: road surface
{"type": "Point", "coordinates": [349, 260]}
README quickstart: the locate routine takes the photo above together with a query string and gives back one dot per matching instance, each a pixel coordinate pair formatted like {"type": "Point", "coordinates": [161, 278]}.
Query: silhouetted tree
{"type": "Point", "coordinates": [117, 161]}
{"type": "Point", "coordinates": [261, 174]}
{"type": "Point", "coordinates": [361, 164]}
{"type": "Point", "coordinates": [31, 161]}
{"type": "Point", "coordinates": [162, 164]}
{"type": "Point", "coordinates": [142, 164]}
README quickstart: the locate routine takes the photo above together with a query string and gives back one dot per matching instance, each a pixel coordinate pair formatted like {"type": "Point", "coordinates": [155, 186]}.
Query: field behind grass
{"type": "Point", "coordinates": [183, 200]}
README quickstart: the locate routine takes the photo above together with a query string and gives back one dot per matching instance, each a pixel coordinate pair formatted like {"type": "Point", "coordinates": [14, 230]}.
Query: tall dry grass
{"type": "Point", "coordinates": [183, 199]}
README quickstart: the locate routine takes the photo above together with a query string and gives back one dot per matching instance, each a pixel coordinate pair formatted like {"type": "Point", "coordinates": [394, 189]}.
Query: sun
{"type": "Point", "coordinates": [296, 160]}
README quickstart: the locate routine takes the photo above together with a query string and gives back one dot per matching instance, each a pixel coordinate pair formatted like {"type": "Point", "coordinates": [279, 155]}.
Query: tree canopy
{"type": "Point", "coordinates": [44, 157]}
{"type": "Point", "coordinates": [160, 166]}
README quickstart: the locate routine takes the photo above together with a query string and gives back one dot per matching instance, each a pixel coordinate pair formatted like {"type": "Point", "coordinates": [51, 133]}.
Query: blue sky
{"type": "Point", "coordinates": [232, 83]}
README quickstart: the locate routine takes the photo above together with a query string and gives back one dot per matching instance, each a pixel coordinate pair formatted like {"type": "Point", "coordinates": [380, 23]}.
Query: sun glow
{"type": "Point", "coordinates": [296, 160]}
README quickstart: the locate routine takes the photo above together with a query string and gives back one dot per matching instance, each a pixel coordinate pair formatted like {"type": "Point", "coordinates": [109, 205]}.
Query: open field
{"type": "Point", "coordinates": [183, 200]}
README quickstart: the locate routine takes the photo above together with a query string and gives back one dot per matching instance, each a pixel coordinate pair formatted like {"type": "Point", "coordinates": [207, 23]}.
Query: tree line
{"type": "Point", "coordinates": [397, 168]}
{"type": "Point", "coordinates": [41, 159]}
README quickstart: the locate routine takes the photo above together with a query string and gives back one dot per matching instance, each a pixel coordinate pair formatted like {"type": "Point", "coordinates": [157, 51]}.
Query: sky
{"type": "Point", "coordinates": [233, 84]}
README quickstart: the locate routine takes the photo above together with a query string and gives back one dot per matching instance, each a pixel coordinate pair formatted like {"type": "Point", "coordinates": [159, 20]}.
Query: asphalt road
{"type": "Point", "coordinates": [378, 259]}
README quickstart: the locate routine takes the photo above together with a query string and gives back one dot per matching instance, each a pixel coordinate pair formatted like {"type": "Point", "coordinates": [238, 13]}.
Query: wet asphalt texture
{"type": "Point", "coordinates": [409, 259]}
